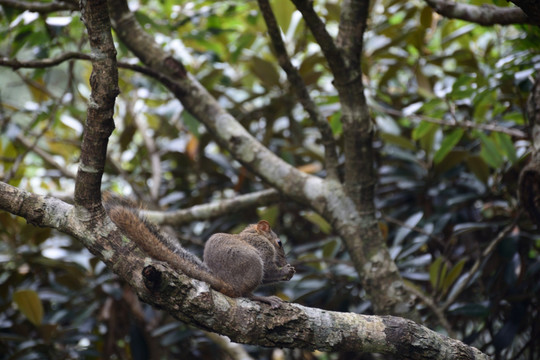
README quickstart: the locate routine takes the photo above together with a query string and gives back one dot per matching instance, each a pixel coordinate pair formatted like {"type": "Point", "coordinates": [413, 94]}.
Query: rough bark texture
{"type": "Point", "coordinates": [99, 121]}
{"type": "Point", "coordinates": [242, 320]}
{"type": "Point", "coordinates": [350, 211]}
{"type": "Point", "coordinates": [529, 179]}
{"type": "Point", "coordinates": [486, 15]}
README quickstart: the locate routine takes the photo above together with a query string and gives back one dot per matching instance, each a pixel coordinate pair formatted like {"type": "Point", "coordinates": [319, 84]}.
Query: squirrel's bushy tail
{"type": "Point", "coordinates": [159, 246]}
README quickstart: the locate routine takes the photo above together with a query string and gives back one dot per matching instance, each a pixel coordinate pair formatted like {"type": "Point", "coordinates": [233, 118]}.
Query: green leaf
{"type": "Point", "coordinates": [269, 213]}
{"type": "Point", "coordinates": [397, 18]}
{"type": "Point", "coordinates": [336, 124]}
{"type": "Point", "coordinates": [454, 158]}
{"type": "Point", "coordinates": [478, 167]}
{"type": "Point", "coordinates": [489, 151]}
{"type": "Point", "coordinates": [437, 272]}
{"type": "Point", "coordinates": [283, 10]}
{"type": "Point", "coordinates": [331, 248]}
{"type": "Point", "coordinates": [434, 272]}
{"type": "Point", "coordinates": [30, 305]}
{"type": "Point", "coordinates": [447, 145]}
{"type": "Point", "coordinates": [423, 129]}
{"type": "Point", "coordinates": [426, 17]}
{"type": "Point", "coordinates": [471, 310]}
{"type": "Point", "coordinates": [399, 141]}
{"type": "Point", "coordinates": [507, 146]}
{"type": "Point", "coordinates": [266, 71]}
{"type": "Point", "coordinates": [191, 123]}
{"type": "Point", "coordinates": [318, 220]}
{"type": "Point", "coordinates": [453, 275]}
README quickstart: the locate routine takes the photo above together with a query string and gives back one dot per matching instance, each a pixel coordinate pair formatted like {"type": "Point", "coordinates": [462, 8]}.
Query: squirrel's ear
{"type": "Point", "coordinates": [263, 226]}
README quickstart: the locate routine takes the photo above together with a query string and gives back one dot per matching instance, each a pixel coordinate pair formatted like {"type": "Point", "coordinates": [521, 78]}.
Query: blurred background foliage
{"type": "Point", "coordinates": [448, 98]}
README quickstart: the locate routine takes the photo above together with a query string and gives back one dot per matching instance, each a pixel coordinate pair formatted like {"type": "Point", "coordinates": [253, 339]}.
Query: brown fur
{"type": "Point", "coordinates": [233, 264]}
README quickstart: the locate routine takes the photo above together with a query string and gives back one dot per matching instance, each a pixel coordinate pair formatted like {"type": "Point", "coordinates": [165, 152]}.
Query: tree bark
{"type": "Point", "coordinates": [242, 320]}
{"type": "Point", "coordinates": [354, 220]}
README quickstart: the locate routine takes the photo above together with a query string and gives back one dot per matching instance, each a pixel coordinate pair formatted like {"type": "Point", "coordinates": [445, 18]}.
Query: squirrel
{"type": "Point", "coordinates": [234, 265]}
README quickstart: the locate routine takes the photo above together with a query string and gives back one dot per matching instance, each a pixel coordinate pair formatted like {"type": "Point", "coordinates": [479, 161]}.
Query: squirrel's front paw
{"type": "Point", "coordinates": [289, 272]}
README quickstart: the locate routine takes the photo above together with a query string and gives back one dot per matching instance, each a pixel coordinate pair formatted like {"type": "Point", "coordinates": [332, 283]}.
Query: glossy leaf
{"type": "Point", "coordinates": [448, 143]}
{"type": "Point", "coordinates": [30, 305]}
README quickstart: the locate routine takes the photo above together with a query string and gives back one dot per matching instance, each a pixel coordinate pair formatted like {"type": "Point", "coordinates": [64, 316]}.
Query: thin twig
{"type": "Point", "coordinates": [439, 313]}
{"type": "Point", "coordinates": [49, 62]}
{"type": "Point", "coordinates": [300, 89]}
{"type": "Point", "coordinates": [461, 124]}
{"type": "Point", "coordinates": [32, 146]}
{"type": "Point", "coordinates": [153, 153]}
{"type": "Point", "coordinates": [414, 228]}
{"type": "Point", "coordinates": [487, 251]}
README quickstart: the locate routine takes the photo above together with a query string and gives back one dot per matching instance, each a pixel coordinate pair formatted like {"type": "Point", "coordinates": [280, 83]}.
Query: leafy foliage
{"type": "Point", "coordinates": [447, 186]}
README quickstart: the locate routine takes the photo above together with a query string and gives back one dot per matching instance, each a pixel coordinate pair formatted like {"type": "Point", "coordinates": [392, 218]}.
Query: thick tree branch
{"type": "Point", "coordinates": [99, 122]}
{"type": "Point", "coordinates": [531, 8]}
{"type": "Point", "coordinates": [354, 220]}
{"type": "Point", "coordinates": [242, 320]}
{"type": "Point", "coordinates": [298, 85]}
{"type": "Point", "coordinates": [485, 15]}
{"type": "Point", "coordinates": [199, 102]}
{"type": "Point", "coordinates": [529, 179]}
{"type": "Point", "coordinates": [368, 249]}
{"type": "Point", "coordinates": [214, 209]}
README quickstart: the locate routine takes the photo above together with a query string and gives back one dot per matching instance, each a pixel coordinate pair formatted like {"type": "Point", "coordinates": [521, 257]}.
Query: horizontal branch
{"type": "Point", "coordinates": [242, 320]}
{"type": "Point", "coordinates": [40, 7]}
{"type": "Point", "coordinates": [50, 62]}
{"type": "Point", "coordinates": [465, 124]}
{"type": "Point", "coordinates": [43, 63]}
{"type": "Point", "coordinates": [485, 15]}
{"type": "Point", "coordinates": [214, 209]}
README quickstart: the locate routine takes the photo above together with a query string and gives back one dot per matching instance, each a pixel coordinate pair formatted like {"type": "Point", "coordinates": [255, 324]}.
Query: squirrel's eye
{"type": "Point", "coordinates": [279, 243]}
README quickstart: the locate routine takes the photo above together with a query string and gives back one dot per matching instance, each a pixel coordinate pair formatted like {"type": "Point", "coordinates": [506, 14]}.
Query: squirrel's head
{"type": "Point", "coordinates": [263, 228]}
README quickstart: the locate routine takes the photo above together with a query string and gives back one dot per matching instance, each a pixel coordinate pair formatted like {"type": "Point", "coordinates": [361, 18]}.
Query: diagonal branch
{"type": "Point", "coordinates": [331, 160]}
{"type": "Point", "coordinates": [32, 146]}
{"type": "Point", "coordinates": [351, 211]}
{"type": "Point", "coordinates": [203, 106]}
{"type": "Point", "coordinates": [323, 38]}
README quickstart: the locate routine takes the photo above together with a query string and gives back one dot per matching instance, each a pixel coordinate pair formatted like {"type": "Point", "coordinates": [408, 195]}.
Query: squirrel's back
{"type": "Point", "coordinates": [235, 261]}
{"type": "Point", "coordinates": [159, 246]}
{"type": "Point", "coordinates": [233, 264]}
